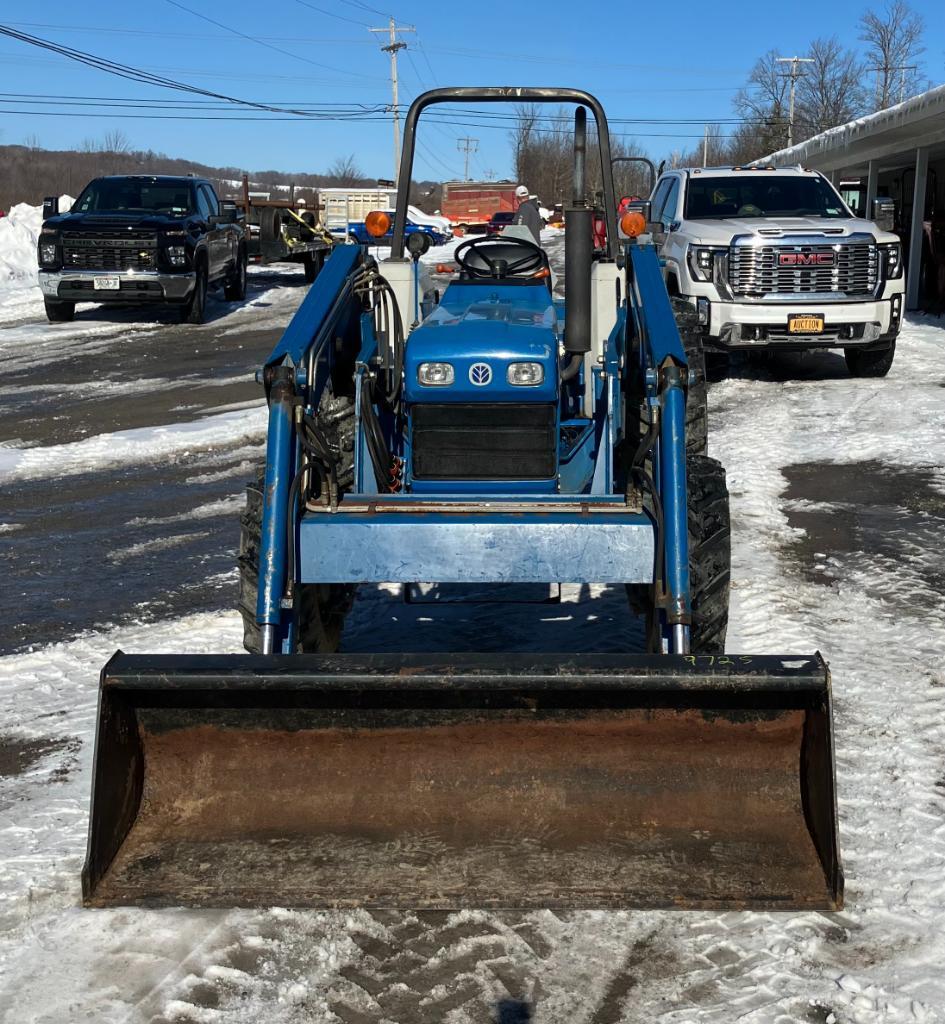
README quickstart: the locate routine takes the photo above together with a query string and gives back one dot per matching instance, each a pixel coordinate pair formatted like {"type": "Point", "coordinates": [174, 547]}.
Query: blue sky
{"type": "Point", "coordinates": [661, 63]}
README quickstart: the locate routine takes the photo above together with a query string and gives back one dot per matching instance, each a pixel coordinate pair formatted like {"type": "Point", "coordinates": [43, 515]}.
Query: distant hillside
{"type": "Point", "coordinates": [28, 174]}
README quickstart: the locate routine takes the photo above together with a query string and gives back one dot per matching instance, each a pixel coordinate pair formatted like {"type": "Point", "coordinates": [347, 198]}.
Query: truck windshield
{"type": "Point", "coordinates": [135, 197]}
{"type": "Point", "coordinates": [761, 195]}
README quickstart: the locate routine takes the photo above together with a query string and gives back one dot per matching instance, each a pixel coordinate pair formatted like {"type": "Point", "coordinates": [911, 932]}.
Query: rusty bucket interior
{"type": "Point", "coordinates": [444, 782]}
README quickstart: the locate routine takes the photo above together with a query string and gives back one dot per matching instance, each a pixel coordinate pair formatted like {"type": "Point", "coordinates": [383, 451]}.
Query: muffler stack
{"type": "Point", "coordinates": [454, 781]}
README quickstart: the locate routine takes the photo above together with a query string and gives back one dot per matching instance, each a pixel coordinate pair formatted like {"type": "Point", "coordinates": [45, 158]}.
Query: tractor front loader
{"type": "Point", "coordinates": [490, 435]}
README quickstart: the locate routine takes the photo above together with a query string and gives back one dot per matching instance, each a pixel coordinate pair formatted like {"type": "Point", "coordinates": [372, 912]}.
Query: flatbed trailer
{"type": "Point", "coordinates": [283, 230]}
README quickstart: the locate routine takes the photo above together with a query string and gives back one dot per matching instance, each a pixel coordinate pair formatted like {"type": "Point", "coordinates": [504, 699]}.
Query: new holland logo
{"type": "Point", "coordinates": [480, 374]}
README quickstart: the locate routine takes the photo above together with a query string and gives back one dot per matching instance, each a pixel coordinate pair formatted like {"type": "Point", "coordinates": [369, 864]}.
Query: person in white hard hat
{"type": "Point", "coordinates": [528, 213]}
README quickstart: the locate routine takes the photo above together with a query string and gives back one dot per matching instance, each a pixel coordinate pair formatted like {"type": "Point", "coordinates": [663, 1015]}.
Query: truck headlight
{"type": "Point", "coordinates": [525, 375]}
{"type": "Point", "coordinates": [702, 260]}
{"type": "Point", "coordinates": [176, 255]}
{"type": "Point", "coordinates": [47, 253]}
{"type": "Point", "coordinates": [892, 259]}
{"type": "Point", "coordinates": [436, 375]}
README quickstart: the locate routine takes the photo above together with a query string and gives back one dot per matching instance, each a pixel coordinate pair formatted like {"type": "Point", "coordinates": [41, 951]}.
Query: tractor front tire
{"type": "Point", "coordinates": [321, 607]}
{"type": "Point", "coordinates": [874, 362]}
{"type": "Point", "coordinates": [710, 534]}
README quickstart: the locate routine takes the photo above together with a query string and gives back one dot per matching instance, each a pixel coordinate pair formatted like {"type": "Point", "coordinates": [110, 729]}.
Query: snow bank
{"type": "Point", "coordinates": [19, 232]}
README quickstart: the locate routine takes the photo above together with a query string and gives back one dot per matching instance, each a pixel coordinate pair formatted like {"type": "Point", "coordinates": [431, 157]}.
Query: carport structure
{"type": "Point", "coordinates": [898, 152]}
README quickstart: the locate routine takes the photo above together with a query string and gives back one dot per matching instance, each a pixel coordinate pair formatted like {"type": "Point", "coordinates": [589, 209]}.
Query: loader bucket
{"type": "Point", "coordinates": [422, 781]}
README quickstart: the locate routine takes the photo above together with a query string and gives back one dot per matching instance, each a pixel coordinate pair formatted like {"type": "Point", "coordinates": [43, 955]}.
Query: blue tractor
{"type": "Point", "coordinates": [489, 435]}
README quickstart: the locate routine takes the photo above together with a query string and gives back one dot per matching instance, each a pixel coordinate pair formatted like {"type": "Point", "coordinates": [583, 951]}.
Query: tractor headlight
{"type": "Point", "coordinates": [892, 259]}
{"type": "Point", "coordinates": [702, 260]}
{"type": "Point", "coordinates": [436, 375]}
{"type": "Point", "coordinates": [176, 255]}
{"type": "Point", "coordinates": [47, 253]}
{"type": "Point", "coordinates": [525, 375]}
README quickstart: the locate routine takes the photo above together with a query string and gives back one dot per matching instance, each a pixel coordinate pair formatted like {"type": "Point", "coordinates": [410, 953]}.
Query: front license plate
{"type": "Point", "coordinates": [805, 323]}
{"type": "Point", "coordinates": [106, 284]}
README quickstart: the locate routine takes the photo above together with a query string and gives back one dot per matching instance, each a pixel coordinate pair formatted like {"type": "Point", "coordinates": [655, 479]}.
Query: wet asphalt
{"type": "Point", "coordinates": [139, 541]}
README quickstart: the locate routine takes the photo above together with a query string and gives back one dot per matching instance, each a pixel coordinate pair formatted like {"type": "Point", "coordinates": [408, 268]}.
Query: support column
{"type": "Point", "coordinates": [872, 181]}
{"type": "Point", "coordinates": [913, 275]}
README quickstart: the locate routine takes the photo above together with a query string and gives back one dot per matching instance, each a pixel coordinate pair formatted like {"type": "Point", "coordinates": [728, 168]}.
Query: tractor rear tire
{"type": "Point", "coordinates": [322, 607]}
{"type": "Point", "coordinates": [697, 409]}
{"type": "Point", "coordinates": [710, 534]}
{"type": "Point", "coordinates": [874, 362]}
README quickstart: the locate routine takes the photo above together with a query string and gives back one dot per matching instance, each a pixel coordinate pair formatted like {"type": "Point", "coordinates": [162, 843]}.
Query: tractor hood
{"type": "Point", "coordinates": [480, 331]}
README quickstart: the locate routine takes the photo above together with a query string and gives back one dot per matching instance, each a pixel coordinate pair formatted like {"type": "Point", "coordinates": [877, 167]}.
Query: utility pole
{"type": "Point", "coordinates": [392, 47]}
{"type": "Point", "coordinates": [467, 146]}
{"type": "Point", "coordinates": [705, 148]}
{"type": "Point", "coordinates": [794, 75]}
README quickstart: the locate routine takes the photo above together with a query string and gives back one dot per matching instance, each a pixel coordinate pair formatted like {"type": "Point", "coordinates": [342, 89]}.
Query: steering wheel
{"type": "Point", "coordinates": [534, 258]}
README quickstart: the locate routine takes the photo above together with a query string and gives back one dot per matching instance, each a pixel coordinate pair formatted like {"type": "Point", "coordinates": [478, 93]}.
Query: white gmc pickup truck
{"type": "Point", "coordinates": [773, 257]}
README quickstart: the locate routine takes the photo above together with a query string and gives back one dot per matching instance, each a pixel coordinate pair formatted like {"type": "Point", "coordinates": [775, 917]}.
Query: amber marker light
{"type": "Point", "coordinates": [632, 224]}
{"type": "Point", "coordinates": [377, 223]}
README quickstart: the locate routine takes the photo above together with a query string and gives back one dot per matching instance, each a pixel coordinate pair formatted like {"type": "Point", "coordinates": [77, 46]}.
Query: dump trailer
{"type": "Point", "coordinates": [489, 435]}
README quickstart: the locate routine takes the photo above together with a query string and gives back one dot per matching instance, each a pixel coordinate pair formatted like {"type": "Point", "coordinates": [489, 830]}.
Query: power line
{"type": "Point", "coordinates": [131, 73]}
{"type": "Point", "coordinates": [339, 17]}
{"type": "Point", "coordinates": [259, 42]}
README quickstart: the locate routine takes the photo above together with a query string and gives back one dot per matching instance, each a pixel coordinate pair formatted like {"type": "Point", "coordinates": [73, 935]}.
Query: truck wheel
{"type": "Point", "coordinates": [192, 312]}
{"type": "Point", "coordinates": [322, 607]}
{"type": "Point", "coordinates": [709, 562]}
{"type": "Point", "coordinates": [697, 408]}
{"type": "Point", "coordinates": [874, 362]}
{"type": "Point", "coordinates": [59, 312]}
{"type": "Point", "coordinates": [270, 224]}
{"type": "Point", "coordinates": [234, 290]}
{"type": "Point", "coordinates": [312, 265]}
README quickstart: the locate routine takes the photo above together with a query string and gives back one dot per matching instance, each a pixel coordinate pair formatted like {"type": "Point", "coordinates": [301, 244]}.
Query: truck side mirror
{"type": "Point", "coordinates": [50, 207]}
{"type": "Point", "coordinates": [884, 213]}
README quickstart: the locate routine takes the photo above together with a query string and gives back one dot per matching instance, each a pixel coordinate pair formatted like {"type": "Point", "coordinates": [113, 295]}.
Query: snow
{"type": "Point", "coordinates": [19, 234]}
{"type": "Point", "coordinates": [878, 621]}
{"type": "Point", "coordinates": [244, 423]}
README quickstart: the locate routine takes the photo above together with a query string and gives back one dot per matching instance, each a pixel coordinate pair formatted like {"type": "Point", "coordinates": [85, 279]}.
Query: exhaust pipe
{"type": "Point", "coordinates": [578, 250]}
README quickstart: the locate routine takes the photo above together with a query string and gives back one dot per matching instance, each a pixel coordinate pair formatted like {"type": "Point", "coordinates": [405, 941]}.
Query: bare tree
{"type": "Point", "coordinates": [830, 91]}
{"type": "Point", "coordinates": [345, 171]}
{"type": "Point", "coordinates": [116, 141]}
{"type": "Point", "coordinates": [893, 47]}
{"type": "Point", "coordinates": [763, 103]}
{"type": "Point", "coordinates": [32, 142]}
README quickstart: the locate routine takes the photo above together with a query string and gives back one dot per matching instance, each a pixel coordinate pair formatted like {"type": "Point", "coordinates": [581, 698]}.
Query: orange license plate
{"type": "Point", "coordinates": [805, 323]}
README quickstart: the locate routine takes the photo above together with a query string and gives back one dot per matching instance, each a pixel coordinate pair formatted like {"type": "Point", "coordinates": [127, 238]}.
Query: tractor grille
{"type": "Point", "coordinates": [853, 269]}
{"type": "Point", "coordinates": [484, 442]}
{"type": "Point", "coordinates": [137, 250]}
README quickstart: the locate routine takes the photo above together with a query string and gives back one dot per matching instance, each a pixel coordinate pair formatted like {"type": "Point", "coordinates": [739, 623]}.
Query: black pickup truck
{"type": "Point", "coordinates": [141, 239]}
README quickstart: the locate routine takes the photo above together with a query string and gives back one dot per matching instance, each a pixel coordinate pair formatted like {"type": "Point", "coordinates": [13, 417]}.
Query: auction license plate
{"type": "Point", "coordinates": [805, 323]}
{"type": "Point", "coordinates": [107, 284]}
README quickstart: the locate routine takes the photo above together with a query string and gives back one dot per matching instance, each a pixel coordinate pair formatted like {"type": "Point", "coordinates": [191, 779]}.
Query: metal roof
{"type": "Point", "coordinates": [889, 137]}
